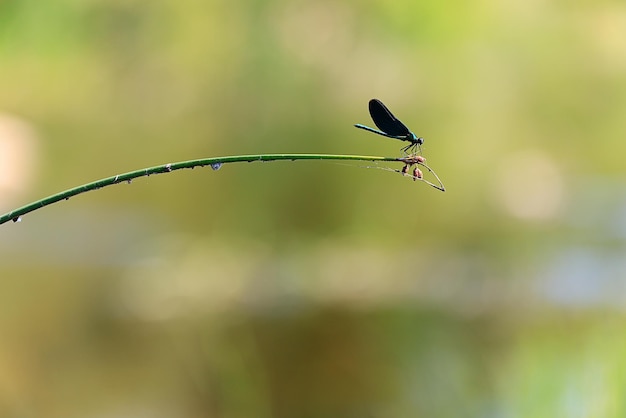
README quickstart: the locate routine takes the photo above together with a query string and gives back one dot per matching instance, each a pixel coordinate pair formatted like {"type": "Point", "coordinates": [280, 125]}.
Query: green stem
{"type": "Point", "coordinates": [216, 162]}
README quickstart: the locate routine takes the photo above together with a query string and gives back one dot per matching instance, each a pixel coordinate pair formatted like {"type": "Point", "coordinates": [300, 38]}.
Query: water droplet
{"type": "Point", "coordinates": [216, 166]}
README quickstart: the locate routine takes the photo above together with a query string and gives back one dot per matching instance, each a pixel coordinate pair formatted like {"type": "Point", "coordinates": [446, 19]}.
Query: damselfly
{"type": "Point", "coordinates": [391, 127]}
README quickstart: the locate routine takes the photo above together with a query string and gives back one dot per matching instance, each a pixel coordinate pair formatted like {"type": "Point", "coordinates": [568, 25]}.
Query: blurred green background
{"type": "Point", "coordinates": [313, 289]}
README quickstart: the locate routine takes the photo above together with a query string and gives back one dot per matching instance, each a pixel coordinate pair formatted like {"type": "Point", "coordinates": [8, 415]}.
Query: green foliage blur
{"type": "Point", "coordinates": [313, 289]}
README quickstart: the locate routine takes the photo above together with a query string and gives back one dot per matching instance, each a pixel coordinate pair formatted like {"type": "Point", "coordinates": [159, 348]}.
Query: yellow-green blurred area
{"type": "Point", "coordinates": [313, 289]}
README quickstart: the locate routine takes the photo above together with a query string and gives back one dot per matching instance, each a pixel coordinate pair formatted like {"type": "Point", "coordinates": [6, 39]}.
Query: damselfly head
{"type": "Point", "coordinates": [418, 140]}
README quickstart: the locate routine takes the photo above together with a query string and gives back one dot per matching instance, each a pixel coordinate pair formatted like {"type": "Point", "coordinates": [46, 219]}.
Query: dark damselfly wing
{"type": "Point", "coordinates": [385, 120]}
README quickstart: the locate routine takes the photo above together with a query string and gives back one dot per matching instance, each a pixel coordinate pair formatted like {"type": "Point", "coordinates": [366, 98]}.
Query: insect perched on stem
{"type": "Point", "coordinates": [391, 127]}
